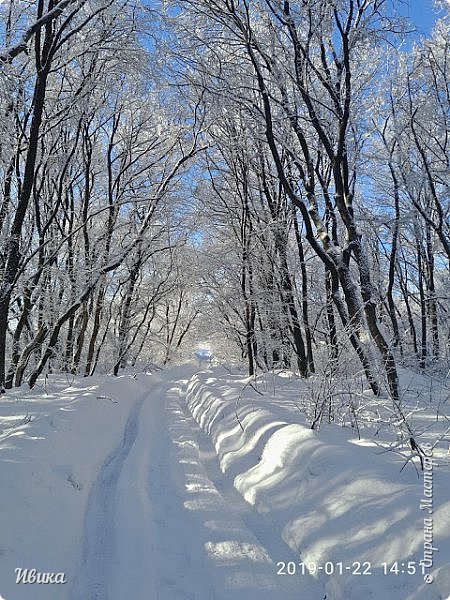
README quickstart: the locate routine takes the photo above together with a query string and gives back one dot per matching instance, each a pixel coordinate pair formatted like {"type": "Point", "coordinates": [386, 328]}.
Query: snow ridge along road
{"type": "Point", "coordinates": [158, 528]}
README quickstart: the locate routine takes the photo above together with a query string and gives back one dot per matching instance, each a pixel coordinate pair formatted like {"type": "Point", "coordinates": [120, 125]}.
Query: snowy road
{"type": "Point", "coordinates": [113, 483]}
{"type": "Point", "coordinates": [162, 523]}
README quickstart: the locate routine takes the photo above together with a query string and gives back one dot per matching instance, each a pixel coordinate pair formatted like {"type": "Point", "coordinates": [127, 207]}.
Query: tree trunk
{"type": "Point", "coordinates": [13, 253]}
{"type": "Point", "coordinates": [305, 308]}
{"type": "Point", "coordinates": [392, 261]}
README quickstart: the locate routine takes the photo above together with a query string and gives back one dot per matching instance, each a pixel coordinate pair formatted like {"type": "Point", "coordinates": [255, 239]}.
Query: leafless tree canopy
{"type": "Point", "coordinates": [270, 175]}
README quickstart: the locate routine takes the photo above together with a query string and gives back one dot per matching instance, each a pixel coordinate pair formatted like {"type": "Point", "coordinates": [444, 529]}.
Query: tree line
{"type": "Point", "coordinates": [90, 164]}
{"type": "Point", "coordinates": [276, 169]}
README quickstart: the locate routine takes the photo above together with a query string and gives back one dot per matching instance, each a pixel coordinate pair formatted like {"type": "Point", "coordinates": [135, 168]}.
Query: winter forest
{"type": "Point", "coordinates": [269, 174]}
{"type": "Point", "coordinates": [267, 179]}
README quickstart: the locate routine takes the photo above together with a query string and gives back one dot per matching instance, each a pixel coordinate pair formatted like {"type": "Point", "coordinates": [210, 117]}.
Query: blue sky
{"type": "Point", "coordinates": [421, 12]}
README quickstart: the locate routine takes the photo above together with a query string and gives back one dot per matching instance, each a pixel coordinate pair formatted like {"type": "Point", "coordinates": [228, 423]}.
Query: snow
{"type": "Point", "coordinates": [332, 497]}
{"type": "Point", "coordinates": [180, 486]}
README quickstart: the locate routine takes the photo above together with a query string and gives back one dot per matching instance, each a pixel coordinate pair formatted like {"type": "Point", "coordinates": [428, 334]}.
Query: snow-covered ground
{"type": "Point", "coordinates": [194, 486]}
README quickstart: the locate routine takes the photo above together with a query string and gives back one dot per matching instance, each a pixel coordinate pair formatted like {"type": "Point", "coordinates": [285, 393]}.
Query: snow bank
{"type": "Point", "coordinates": [343, 507]}
{"type": "Point", "coordinates": [46, 472]}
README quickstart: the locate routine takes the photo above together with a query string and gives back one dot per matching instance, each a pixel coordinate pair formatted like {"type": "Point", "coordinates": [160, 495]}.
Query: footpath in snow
{"type": "Point", "coordinates": [194, 486]}
{"type": "Point", "coordinates": [114, 484]}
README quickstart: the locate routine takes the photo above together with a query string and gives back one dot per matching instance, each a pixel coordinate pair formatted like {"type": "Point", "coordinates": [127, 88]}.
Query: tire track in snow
{"type": "Point", "coordinates": [98, 556]}
{"type": "Point", "coordinates": [156, 525]}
